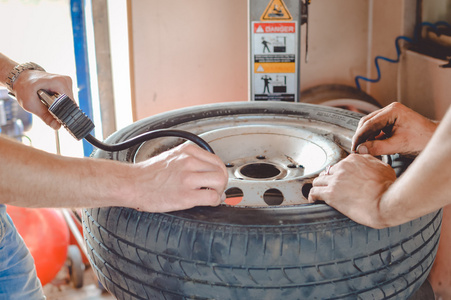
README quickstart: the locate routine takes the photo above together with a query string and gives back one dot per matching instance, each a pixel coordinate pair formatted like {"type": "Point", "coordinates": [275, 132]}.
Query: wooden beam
{"type": "Point", "coordinates": [104, 67]}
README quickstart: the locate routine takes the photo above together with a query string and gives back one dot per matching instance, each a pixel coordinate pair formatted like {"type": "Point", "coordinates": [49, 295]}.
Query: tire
{"type": "Point", "coordinates": [303, 251]}
{"type": "Point", "coordinates": [341, 96]}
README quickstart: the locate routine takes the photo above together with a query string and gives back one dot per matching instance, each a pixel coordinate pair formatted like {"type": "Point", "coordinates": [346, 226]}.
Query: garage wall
{"type": "Point", "coordinates": [196, 52]}
{"type": "Point", "coordinates": [187, 53]}
{"type": "Point", "coordinates": [338, 42]}
{"type": "Point", "coordinates": [389, 20]}
{"type": "Point", "coordinates": [45, 38]}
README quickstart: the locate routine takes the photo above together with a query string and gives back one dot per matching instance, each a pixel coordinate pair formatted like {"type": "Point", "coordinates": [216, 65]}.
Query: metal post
{"type": "Point", "coordinates": [82, 64]}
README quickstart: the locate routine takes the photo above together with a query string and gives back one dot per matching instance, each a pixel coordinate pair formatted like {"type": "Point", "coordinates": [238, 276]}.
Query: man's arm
{"type": "Point", "coordinates": [180, 178]}
{"type": "Point", "coordinates": [365, 189]}
{"type": "Point", "coordinates": [393, 129]}
{"type": "Point", "coordinates": [28, 83]}
{"type": "Point", "coordinates": [426, 184]}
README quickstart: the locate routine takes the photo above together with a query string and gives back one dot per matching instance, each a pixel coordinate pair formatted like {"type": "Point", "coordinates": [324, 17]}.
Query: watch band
{"type": "Point", "coordinates": [15, 72]}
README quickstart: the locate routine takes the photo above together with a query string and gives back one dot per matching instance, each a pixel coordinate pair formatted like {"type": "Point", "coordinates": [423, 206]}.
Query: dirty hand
{"type": "Point", "coordinates": [354, 186]}
{"type": "Point", "coordinates": [27, 85]}
{"type": "Point", "coordinates": [393, 129]}
{"type": "Point", "coordinates": [181, 178]}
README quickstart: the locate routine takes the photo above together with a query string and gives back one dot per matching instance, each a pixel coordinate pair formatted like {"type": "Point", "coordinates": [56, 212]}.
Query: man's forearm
{"type": "Point", "coordinates": [6, 65]}
{"type": "Point", "coordinates": [33, 178]}
{"type": "Point", "coordinates": [426, 184]}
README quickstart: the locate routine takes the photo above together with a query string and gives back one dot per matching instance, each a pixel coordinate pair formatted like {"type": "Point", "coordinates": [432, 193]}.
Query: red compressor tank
{"type": "Point", "coordinates": [46, 234]}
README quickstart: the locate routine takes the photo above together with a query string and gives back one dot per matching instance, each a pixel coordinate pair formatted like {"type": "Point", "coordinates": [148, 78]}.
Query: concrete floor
{"type": "Point", "coordinates": [61, 289]}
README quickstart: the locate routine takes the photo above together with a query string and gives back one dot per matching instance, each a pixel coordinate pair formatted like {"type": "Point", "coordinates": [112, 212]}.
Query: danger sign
{"type": "Point", "coordinates": [274, 27]}
{"type": "Point", "coordinates": [274, 31]}
{"type": "Point", "coordinates": [274, 48]}
{"type": "Point", "coordinates": [276, 39]}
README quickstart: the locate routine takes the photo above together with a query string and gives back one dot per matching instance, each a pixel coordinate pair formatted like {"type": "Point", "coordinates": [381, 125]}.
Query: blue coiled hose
{"type": "Point", "coordinates": [415, 39]}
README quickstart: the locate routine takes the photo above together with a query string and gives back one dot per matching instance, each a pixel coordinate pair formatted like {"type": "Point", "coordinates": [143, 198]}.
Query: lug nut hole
{"type": "Point", "coordinates": [306, 189]}
{"type": "Point", "coordinates": [233, 196]}
{"type": "Point", "coordinates": [273, 197]}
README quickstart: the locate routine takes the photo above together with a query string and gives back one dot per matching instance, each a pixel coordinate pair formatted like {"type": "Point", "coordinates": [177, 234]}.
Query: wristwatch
{"type": "Point", "coordinates": [15, 72]}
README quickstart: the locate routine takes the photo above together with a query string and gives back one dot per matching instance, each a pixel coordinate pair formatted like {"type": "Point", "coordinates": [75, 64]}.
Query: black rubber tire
{"type": "Point", "coordinates": [340, 96]}
{"type": "Point", "coordinates": [296, 252]}
{"type": "Point", "coordinates": [324, 92]}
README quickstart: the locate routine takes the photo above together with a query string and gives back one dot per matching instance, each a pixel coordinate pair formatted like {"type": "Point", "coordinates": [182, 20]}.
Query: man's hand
{"type": "Point", "coordinates": [393, 129]}
{"type": "Point", "coordinates": [180, 178]}
{"type": "Point", "coordinates": [27, 85]}
{"type": "Point", "coordinates": [354, 186]}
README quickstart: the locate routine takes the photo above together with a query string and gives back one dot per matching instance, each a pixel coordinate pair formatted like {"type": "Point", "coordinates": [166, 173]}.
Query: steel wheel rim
{"type": "Point", "coordinates": [271, 159]}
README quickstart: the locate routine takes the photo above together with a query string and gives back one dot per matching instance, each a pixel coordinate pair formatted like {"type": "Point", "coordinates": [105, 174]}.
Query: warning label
{"type": "Point", "coordinates": [278, 27]}
{"type": "Point", "coordinates": [274, 87]}
{"type": "Point", "coordinates": [274, 68]}
{"type": "Point", "coordinates": [274, 41]}
{"type": "Point", "coordinates": [275, 11]}
{"type": "Point", "coordinates": [274, 49]}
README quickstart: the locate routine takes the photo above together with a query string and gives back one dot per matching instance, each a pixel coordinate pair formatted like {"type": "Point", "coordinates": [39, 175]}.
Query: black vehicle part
{"type": "Point", "coordinates": [306, 251]}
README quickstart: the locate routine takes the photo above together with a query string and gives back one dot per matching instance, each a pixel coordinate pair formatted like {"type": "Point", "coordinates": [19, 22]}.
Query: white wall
{"type": "Point", "coordinates": [46, 38]}
{"type": "Point", "coordinates": [41, 31]}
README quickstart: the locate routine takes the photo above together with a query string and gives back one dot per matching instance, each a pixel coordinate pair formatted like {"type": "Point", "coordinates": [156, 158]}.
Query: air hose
{"type": "Point", "coordinates": [417, 33]}
{"type": "Point", "coordinates": [79, 125]}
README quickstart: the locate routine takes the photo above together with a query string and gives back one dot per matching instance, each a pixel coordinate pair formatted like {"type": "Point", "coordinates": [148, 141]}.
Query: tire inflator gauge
{"type": "Point", "coordinates": [79, 125]}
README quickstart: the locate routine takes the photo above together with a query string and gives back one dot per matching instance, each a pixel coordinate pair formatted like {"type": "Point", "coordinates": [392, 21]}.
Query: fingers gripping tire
{"type": "Point", "coordinates": [274, 252]}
